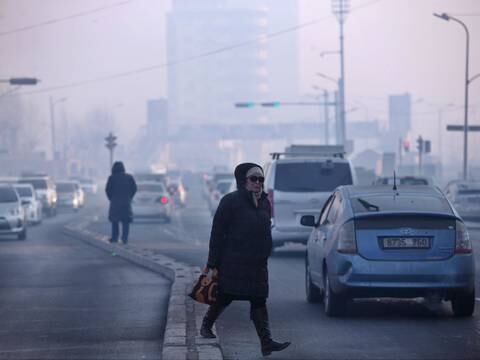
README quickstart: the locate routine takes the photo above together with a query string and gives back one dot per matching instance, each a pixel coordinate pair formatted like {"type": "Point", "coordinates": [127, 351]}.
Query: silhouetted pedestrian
{"type": "Point", "coordinates": [240, 245]}
{"type": "Point", "coordinates": [120, 189]}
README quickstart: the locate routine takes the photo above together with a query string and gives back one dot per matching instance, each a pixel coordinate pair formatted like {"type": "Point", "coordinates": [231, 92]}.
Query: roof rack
{"type": "Point", "coordinates": [277, 155]}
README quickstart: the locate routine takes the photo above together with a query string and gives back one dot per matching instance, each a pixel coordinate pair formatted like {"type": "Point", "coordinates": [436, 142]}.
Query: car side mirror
{"type": "Point", "coordinates": [307, 220]}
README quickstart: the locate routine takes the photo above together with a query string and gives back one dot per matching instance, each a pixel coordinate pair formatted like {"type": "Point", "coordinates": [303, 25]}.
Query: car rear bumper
{"type": "Point", "coordinates": [363, 278]}
{"type": "Point", "coordinates": [139, 212]}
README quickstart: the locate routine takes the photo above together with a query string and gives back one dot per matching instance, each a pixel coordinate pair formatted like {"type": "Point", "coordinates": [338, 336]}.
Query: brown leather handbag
{"type": "Point", "coordinates": [205, 288]}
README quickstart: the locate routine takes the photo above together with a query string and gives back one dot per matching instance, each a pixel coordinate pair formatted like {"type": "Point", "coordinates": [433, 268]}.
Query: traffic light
{"type": "Point", "coordinates": [406, 145]}
{"type": "Point", "coordinates": [420, 144]}
{"type": "Point", "coordinates": [271, 104]}
{"type": "Point", "coordinates": [244, 104]}
{"type": "Point", "coordinates": [23, 81]}
{"type": "Point", "coordinates": [427, 146]}
{"type": "Point", "coordinates": [110, 139]}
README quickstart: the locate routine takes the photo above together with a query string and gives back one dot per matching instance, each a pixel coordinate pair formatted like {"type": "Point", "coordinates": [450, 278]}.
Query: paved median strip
{"type": "Point", "coordinates": [181, 339]}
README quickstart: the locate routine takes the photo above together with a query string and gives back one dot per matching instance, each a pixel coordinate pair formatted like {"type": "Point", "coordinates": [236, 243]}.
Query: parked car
{"type": "Point", "coordinates": [379, 242]}
{"type": "Point", "coordinates": [69, 194]}
{"type": "Point", "coordinates": [30, 202]}
{"type": "Point", "coordinates": [404, 180]}
{"type": "Point", "coordinates": [298, 183]}
{"type": "Point", "coordinates": [12, 215]}
{"type": "Point", "coordinates": [46, 191]}
{"type": "Point", "coordinates": [152, 200]}
{"type": "Point", "coordinates": [223, 187]}
{"type": "Point", "coordinates": [465, 197]}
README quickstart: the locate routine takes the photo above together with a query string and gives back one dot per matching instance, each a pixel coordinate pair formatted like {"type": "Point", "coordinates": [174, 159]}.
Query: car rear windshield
{"type": "Point", "coordinates": [36, 183]}
{"type": "Point", "coordinates": [24, 191]}
{"type": "Point", "coordinates": [151, 188]}
{"type": "Point", "coordinates": [65, 187]}
{"type": "Point", "coordinates": [469, 192]}
{"type": "Point", "coordinates": [312, 176]}
{"type": "Point", "coordinates": [405, 181]}
{"type": "Point", "coordinates": [150, 177]}
{"type": "Point", "coordinates": [400, 203]}
{"type": "Point", "coordinates": [8, 195]}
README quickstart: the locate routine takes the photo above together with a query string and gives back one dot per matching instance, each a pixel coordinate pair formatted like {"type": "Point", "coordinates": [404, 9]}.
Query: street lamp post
{"type": "Point", "coordinates": [447, 17]}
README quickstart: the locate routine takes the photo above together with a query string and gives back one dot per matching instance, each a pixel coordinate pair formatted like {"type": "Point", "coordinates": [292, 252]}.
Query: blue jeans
{"type": "Point", "coordinates": [116, 231]}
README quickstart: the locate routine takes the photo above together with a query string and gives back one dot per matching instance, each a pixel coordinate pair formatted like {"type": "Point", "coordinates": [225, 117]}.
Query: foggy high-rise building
{"type": "Point", "coordinates": [399, 114]}
{"type": "Point", "coordinates": [239, 63]}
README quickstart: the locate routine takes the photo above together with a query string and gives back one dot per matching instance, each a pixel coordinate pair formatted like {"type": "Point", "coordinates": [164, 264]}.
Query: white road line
{"type": "Point", "coordinates": [45, 349]}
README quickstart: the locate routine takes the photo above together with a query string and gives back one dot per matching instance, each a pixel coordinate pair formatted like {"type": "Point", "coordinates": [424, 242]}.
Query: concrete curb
{"type": "Point", "coordinates": [181, 339]}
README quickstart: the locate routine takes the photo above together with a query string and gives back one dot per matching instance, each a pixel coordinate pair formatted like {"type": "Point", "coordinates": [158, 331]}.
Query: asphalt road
{"type": "Point", "coordinates": [394, 329]}
{"type": "Point", "coordinates": [63, 299]}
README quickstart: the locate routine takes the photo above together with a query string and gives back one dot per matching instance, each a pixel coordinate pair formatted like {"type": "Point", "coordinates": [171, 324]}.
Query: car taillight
{"type": "Point", "coordinates": [164, 200]}
{"type": "Point", "coordinates": [463, 245]}
{"type": "Point", "coordinates": [270, 198]}
{"type": "Point", "coordinates": [346, 239]}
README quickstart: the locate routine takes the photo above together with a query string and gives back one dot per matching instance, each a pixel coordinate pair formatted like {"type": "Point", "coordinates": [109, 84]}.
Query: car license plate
{"type": "Point", "coordinates": [406, 242]}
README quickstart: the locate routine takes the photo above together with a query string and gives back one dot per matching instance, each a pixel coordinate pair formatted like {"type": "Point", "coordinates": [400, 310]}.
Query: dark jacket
{"type": "Point", "coordinates": [240, 244]}
{"type": "Point", "coordinates": [120, 189]}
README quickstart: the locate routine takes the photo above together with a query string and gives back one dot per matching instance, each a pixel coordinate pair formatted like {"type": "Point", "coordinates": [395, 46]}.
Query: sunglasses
{"type": "Point", "coordinates": [254, 179]}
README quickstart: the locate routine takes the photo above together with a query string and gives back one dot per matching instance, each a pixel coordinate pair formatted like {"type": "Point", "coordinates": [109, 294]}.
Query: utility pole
{"type": "Point", "coordinates": [341, 9]}
{"type": "Point", "coordinates": [110, 145]}
{"type": "Point", "coordinates": [326, 118]}
{"type": "Point", "coordinates": [52, 129]}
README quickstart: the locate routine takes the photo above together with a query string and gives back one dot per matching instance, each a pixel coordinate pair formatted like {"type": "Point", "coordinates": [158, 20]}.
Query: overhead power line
{"type": "Point", "coordinates": [65, 18]}
{"type": "Point", "coordinates": [192, 58]}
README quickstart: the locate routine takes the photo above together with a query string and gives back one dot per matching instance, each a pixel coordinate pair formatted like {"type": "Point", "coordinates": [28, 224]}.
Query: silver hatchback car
{"type": "Point", "coordinates": [373, 242]}
{"type": "Point", "coordinates": [12, 214]}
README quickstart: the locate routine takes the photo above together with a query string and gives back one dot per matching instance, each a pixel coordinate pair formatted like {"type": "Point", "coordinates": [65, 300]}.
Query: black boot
{"type": "Point", "coordinates": [260, 319]}
{"type": "Point", "coordinates": [212, 314]}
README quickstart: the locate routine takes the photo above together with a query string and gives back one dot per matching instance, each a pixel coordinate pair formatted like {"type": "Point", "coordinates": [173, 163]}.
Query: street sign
{"type": "Point", "coordinates": [462, 128]}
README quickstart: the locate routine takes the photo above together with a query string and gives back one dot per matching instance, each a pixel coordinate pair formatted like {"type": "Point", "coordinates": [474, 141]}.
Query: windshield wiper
{"type": "Point", "coordinates": [368, 205]}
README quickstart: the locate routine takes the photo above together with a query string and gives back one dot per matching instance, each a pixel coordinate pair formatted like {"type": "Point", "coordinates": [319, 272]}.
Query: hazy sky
{"type": "Point", "coordinates": [392, 46]}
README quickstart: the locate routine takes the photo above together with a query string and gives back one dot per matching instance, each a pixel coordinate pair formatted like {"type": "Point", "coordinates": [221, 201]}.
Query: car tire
{"type": "Point", "coordinates": [335, 304]}
{"type": "Point", "coordinates": [463, 304]}
{"type": "Point", "coordinates": [312, 292]}
{"type": "Point", "coordinates": [22, 235]}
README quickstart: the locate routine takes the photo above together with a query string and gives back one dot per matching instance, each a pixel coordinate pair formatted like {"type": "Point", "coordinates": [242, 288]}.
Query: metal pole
{"type": "Point", "coordinates": [111, 158]}
{"type": "Point", "coordinates": [326, 117]}
{"type": "Point", "coordinates": [467, 81]}
{"type": "Point", "coordinates": [342, 77]}
{"type": "Point", "coordinates": [52, 129]}
{"type": "Point", "coordinates": [440, 146]}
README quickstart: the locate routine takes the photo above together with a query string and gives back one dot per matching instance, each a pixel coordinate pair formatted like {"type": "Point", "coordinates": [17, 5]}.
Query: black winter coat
{"type": "Point", "coordinates": [240, 244]}
{"type": "Point", "coordinates": [120, 189]}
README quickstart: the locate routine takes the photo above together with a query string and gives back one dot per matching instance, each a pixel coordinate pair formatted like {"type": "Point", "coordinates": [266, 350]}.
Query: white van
{"type": "Point", "coordinates": [299, 182]}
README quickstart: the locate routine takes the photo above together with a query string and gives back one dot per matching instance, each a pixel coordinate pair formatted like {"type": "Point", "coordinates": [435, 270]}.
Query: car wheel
{"type": "Point", "coordinates": [22, 235]}
{"type": "Point", "coordinates": [313, 293]}
{"type": "Point", "coordinates": [335, 304]}
{"type": "Point", "coordinates": [463, 304]}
